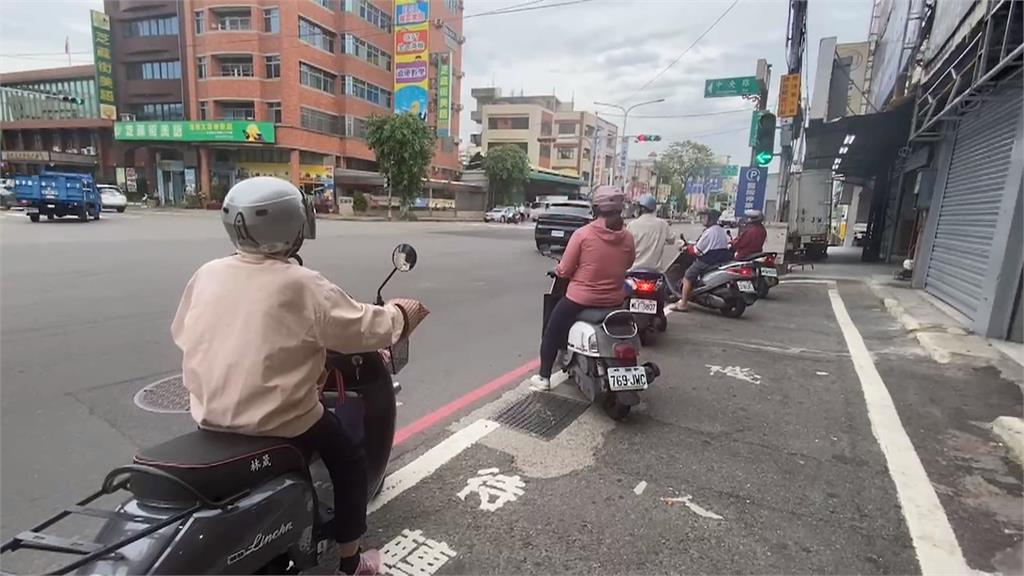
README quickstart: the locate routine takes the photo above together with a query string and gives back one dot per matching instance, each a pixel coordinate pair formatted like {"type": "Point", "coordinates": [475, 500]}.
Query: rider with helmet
{"type": "Point", "coordinates": [650, 233]}
{"type": "Point", "coordinates": [712, 250]}
{"type": "Point", "coordinates": [751, 239]}
{"type": "Point", "coordinates": [595, 262]}
{"type": "Point", "coordinates": [254, 329]}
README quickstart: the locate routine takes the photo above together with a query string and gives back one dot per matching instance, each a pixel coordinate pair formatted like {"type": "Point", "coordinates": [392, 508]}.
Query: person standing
{"type": "Point", "coordinates": [650, 234]}
{"type": "Point", "coordinates": [751, 239]}
{"type": "Point", "coordinates": [712, 250]}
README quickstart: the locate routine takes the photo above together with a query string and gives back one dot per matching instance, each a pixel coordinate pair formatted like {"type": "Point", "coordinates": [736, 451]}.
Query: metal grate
{"type": "Point", "coordinates": [541, 414]}
{"type": "Point", "coordinates": [165, 396]}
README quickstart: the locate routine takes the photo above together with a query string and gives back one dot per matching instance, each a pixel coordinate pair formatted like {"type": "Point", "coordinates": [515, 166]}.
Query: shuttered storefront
{"type": "Point", "coordinates": [970, 204]}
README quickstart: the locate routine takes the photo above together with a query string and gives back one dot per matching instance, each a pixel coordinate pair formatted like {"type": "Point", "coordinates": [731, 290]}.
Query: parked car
{"type": "Point", "coordinates": [112, 198]}
{"type": "Point", "coordinates": [503, 214]}
{"type": "Point", "coordinates": [7, 199]}
{"type": "Point", "coordinates": [860, 231]}
{"type": "Point", "coordinates": [557, 224]}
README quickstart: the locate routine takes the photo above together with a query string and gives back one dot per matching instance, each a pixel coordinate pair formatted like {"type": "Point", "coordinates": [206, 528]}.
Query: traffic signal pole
{"type": "Point", "coordinates": [623, 159]}
{"type": "Point", "coordinates": [796, 37]}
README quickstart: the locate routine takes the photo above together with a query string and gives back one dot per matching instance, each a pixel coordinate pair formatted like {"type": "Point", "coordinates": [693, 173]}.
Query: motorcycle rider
{"type": "Point", "coordinates": [254, 328]}
{"type": "Point", "coordinates": [650, 234]}
{"type": "Point", "coordinates": [595, 262]}
{"type": "Point", "coordinates": [752, 237]}
{"type": "Point", "coordinates": [712, 250]}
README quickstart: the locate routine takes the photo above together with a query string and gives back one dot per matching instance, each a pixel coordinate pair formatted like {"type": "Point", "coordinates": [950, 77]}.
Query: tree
{"type": "Point", "coordinates": [685, 160]}
{"type": "Point", "coordinates": [404, 146]}
{"type": "Point", "coordinates": [507, 168]}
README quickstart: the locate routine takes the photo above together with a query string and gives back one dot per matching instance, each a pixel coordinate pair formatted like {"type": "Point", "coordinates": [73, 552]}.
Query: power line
{"type": "Point", "coordinates": [513, 9]}
{"type": "Point", "coordinates": [694, 115]}
{"type": "Point", "coordinates": [500, 10]}
{"type": "Point", "coordinates": [688, 48]}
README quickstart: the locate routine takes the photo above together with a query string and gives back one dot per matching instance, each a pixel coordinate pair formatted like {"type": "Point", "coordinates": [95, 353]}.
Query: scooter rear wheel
{"type": "Point", "coordinates": [615, 410]}
{"type": "Point", "coordinates": [734, 309]}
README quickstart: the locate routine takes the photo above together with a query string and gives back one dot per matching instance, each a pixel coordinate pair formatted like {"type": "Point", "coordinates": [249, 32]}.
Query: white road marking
{"type": "Point", "coordinates": [694, 507]}
{"type": "Point", "coordinates": [640, 487]}
{"type": "Point", "coordinates": [410, 553]}
{"type": "Point", "coordinates": [736, 372]}
{"type": "Point", "coordinates": [938, 551]}
{"type": "Point", "coordinates": [820, 373]}
{"type": "Point", "coordinates": [429, 462]}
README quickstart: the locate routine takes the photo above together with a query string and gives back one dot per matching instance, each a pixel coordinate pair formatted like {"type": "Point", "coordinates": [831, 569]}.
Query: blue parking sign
{"type": "Point", "coordinates": [750, 190]}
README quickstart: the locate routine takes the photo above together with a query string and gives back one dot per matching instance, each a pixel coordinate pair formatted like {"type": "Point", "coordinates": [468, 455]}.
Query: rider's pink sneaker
{"type": "Point", "coordinates": [369, 564]}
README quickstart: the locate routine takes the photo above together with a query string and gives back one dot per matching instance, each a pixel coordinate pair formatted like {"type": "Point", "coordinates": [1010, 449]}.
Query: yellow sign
{"type": "Point", "coordinates": [789, 95]}
{"type": "Point", "coordinates": [411, 57]}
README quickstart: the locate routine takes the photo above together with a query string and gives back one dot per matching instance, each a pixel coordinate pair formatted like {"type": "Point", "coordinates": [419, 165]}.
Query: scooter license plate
{"type": "Point", "coordinates": [643, 306]}
{"type": "Point", "coordinates": [558, 233]}
{"type": "Point", "coordinates": [769, 272]}
{"type": "Point", "coordinates": [625, 378]}
{"type": "Point", "coordinates": [745, 286]}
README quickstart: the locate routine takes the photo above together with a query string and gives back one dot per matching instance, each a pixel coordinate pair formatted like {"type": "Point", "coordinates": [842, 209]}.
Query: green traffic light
{"type": "Point", "coordinates": [763, 158]}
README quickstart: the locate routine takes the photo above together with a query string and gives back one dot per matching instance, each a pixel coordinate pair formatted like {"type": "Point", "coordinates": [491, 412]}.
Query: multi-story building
{"type": "Point", "coordinates": [269, 87]}
{"type": "Point", "coordinates": [553, 134]}
{"type": "Point", "coordinates": [51, 120]}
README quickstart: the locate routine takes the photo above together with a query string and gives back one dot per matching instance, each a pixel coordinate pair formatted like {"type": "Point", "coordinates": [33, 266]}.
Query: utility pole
{"type": "Point", "coordinates": [624, 160]}
{"type": "Point", "coordinates": [796, 38]}
{"type": "Point", "coordinates": [764, 74]}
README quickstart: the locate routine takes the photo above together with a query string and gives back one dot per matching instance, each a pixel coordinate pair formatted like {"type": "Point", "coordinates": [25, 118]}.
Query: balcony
{"type": "Point", "coordinates": [234, 66]}
{"type": "Point", "coordinates": [233, 20]}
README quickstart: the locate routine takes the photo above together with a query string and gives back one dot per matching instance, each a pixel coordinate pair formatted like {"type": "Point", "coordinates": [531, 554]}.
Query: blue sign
{"type": "Point", "coordinates": [713, 184]}
{"type": "Point", "coordinates": [750, 190]}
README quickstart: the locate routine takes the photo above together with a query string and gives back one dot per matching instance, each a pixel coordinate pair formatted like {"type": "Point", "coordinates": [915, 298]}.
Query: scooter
{"type": "Point", "coordinates": [218, 503]}
{"type": "Point", "coordinates": [728, 288]}
{"type": "Point", "coordinates": [767, 273]}
{"type": "Point", "coordinates": [601, 355]}
{"type": "Point", "coordinates": [648, 294]}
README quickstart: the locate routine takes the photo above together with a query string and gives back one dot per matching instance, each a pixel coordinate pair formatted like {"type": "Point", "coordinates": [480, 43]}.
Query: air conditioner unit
{"type": "Point", "coordinates": [438, 23]}
{"type": "Point", "coordinates": [461, 74]}
{"type": "Point", "coordinates": [457, 141]}
{"type": "Point", "coordinates": [461, 40]}
{"type": "Point", "coordinates": [458, 107]}
{"type": "Point", "coordinates": [127, 117]}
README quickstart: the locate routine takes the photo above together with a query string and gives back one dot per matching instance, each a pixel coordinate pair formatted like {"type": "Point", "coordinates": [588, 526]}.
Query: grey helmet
{"type": "Point", "coordinates": [754, 216]}
{"type": "Point", "coordinates": [266, 215]}
{"type": "Point", "coordinates": [648, 202]}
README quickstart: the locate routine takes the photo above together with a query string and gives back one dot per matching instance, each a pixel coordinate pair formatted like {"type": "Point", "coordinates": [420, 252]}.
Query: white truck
{"type": "Point", "coordinates": [810, 203]}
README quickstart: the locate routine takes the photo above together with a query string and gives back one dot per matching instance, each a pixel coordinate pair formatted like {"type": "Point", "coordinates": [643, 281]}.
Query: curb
{"type": "Point", "coordinates": [1010, 430]}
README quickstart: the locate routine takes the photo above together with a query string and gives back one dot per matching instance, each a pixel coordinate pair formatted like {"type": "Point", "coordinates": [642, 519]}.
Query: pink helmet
{"type": "Point", "coordinates": [607, 199]}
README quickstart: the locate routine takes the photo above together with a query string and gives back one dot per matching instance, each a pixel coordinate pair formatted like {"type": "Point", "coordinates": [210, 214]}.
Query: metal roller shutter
{"type": "Point", "coordinates": [970, 204]}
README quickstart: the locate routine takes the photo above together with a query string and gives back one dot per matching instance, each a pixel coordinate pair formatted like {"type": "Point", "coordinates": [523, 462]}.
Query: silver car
{"type": "Point", "coordinates": [112, 198]}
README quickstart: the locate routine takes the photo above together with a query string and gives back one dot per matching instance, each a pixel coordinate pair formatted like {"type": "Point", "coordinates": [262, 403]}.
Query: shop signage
{"type": "Point", "coordinates": [789, 95]}
{"type": "Point", "coordinates": [739, 86]}
{"type": "Point", "coordinates": [103, 59]}
{"type": "Point", "coordinates": [201, 131]}
{"type": "Point", "coordinates": [411, 55]}
{"type": "Point", "coordinates": [26, 156]}
{"type": "Point", "coordinates": [751, 189]}
{"type": "Point", "coordinates": [47, 157]}
{"type": "Point", "coordinates": [444, 93]}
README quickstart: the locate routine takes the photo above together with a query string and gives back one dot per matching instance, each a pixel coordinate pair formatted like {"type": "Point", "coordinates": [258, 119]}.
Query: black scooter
{"type": "Point", "coordinates": [217, 503]}
{"type": "Point", "coordinates": [647, 299]}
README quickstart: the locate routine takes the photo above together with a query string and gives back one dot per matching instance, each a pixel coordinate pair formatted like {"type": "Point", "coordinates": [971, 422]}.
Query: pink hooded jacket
{"type": "Point", "coordinates": [595, 262]}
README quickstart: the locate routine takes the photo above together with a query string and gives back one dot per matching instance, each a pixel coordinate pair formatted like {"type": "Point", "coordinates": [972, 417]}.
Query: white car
{"type": "Point", "coordinates": [112, 198]}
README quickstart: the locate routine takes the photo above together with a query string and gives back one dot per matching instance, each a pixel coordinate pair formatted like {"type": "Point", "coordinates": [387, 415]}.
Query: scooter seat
{"type": "Point", "coordinates": [218, 465]}
{"type": "Point", "coordinates": [595, 315]}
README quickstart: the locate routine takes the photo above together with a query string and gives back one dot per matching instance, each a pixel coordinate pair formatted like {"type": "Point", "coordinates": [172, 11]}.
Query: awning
{"type": "Point", "coordinates": [855, 148]}
{"type": "Point", "coordinates": [548, 177]}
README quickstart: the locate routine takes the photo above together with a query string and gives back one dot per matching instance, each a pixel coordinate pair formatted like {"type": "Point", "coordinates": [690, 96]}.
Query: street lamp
{"type": "Point", "coordinates": [625, 141]}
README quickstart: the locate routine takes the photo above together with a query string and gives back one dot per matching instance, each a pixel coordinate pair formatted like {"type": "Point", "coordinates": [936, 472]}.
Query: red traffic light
{"type": "Point", "coordinates": [648, 138]}
{"type": "Point", "coordinates": [640, 138]}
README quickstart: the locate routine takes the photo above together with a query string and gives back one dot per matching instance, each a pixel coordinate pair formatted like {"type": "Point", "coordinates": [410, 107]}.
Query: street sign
{"type": "Point", "coordinates": [730, 171]}
{"type": "Point", "coordinates": [754, 118]}
{"type": "Point", "coordinates": [789, 95]}
{"type": "Point", "coordinates": [750, 191]}
{"type": "Point", "coordinates": [739, 86]}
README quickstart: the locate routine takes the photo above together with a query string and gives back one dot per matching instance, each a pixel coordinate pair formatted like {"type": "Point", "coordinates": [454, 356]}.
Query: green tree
{"type": "Point", "coordinates": [685, 160]}
{"type": "Point", "coordinates": [507, 168]}
{"type": "Point", "coordinates": [404, 146]}
{"type": "Point", "coordinates": [359, 202]}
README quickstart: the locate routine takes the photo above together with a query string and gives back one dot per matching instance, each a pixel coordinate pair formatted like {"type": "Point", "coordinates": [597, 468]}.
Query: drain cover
{"type": "Point", "coordinates": [165, 396]}
{"type": "Point", "coordinates": [541, 414]}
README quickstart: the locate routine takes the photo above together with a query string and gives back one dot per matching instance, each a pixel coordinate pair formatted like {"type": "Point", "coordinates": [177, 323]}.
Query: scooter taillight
{"type": "Point", "coordinates": [624, 352]}
{"type": "Point", "coordinates": [769, 261]}
{"type": "Point", "coordinates": [645, 286]}
{"type": "Point", "coordinates": [743, 272]}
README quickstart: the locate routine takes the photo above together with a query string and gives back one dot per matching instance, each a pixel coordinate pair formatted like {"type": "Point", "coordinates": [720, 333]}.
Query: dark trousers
{"type": "Point", "coordinates": [557, 333]}
{"type": "Point", "coordinates": [345, 461]}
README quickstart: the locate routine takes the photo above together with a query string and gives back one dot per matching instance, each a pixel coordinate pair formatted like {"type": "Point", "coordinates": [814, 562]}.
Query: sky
{"type": "Point", "coordinates": [596, 50]}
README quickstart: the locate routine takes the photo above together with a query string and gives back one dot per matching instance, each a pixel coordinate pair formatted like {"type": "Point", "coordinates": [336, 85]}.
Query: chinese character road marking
{"type": "Point", "coordinates": [491, 484]}
{"type": "Point", "coordinates": [735, 372]}
{"type": "Point", "coordinates": [411, 554]}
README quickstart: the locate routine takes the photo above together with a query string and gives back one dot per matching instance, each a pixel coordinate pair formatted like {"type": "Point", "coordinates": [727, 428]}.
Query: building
{"type": "Point", "coordinates": [51, 120]}
{"type": "Point", "coordinates": [553, 134]}
{"type": "Point", "coordinates": [210, 93]}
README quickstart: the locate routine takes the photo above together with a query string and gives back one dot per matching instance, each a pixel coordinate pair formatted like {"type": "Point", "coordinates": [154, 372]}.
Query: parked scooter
{"type": "Point", "coordinates": [601, 355]}
{"type": "Point", "coordinates": [648, 295]}
{"type": "Point", "coordinates": [218, 503]}
{"type": "Point", "coordinates": [728, 288]}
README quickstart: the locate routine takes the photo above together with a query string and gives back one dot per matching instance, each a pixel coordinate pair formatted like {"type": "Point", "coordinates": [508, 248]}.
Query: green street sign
{"type": "Point", "coordinates": [754, 119]}
{"type": "Point", "coordinates": [763, 158]}
{"type": "Point", "coordinates": [198, 131]}
{"type": "Point", "coordinates": [730, 170]}
{"type": "Point", "coordinates": [739, 86]}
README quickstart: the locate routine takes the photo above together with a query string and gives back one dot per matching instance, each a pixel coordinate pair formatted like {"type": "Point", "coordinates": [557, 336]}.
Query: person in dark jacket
{"type": "Point", "coordinates": [751, 239]}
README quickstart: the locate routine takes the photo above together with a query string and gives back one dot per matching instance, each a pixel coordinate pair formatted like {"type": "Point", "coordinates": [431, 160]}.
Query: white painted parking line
{"type": "Point", "coordinates": [938, 551]}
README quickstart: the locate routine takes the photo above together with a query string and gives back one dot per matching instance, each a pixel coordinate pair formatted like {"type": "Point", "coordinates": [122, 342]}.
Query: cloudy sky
{"type": "Point", "coordinates": [603, 50]}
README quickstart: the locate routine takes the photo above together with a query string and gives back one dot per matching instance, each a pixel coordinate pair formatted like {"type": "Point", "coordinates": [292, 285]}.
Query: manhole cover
{"type": "Point", "coordinates": [166, 396]}
{"type": "Point", "coordinates": [541, 414]}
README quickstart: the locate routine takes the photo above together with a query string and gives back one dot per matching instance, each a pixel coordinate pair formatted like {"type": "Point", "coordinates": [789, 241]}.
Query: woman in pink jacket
{"type": "Point", "coordinates": [595, 263]}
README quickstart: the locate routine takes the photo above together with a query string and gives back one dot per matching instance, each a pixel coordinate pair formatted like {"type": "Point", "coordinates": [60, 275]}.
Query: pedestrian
{"type": "Point", "coordinates": [712, 249]}
{"type": "Point", "coordinates": [752, 236]}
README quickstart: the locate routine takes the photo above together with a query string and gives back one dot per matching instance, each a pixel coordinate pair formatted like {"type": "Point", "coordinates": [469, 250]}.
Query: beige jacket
{"type": "Point", "coordinates": [254, 333]}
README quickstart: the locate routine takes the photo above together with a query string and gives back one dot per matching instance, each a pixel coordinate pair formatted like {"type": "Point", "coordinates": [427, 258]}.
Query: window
{"type": "Point", "coordinates": [314, 35]}
{"type": "Point", "coordinates": [608, 162]}
{"type": "Point", "coordinates": [169, 111]}
{"type": "Point", "coordinates": [204, 110]}
{"type": "Point", "coordinates": [201, 71]}
{"type": "Point", "coordinates": [324, 3]}
{"type": "Point", "coordinates": [566, 153]}
{"type": "Point", "coordinates": [199, 19]}
{"type": "Point", "coordinates": [545, 128]}
{"type": "Point", "coordinates": [453, 5]}
{"type": "Point", "coordinates": [508, 123]}
{"type": "Point", "coordinates": [366, 91]}
{"type": "Point", "coordinates": [238, 66]}
{"type": "Point", "coordinates": [586, 177]}
{"type": "Point", "coordinates": [316, 78]}
{"type": "Point", "coordinates": [234, 19]}
{"type": "Point", "coordinates": [273, 64]}
{"type": "Point", "coordinates": [271, 20]}
{"type": "Point", "coordinates": [237, 111]}
{"type": "Point", "coordinates": [366, 52]}
{"type": "Point", "coordinates": [323, 122]}
{"type": "Point", "coordinates": [274, 112]}
{"type": "Point", "coordinates": [355, 127]}
{"type": "Point", "coordinates": [166, 26]}
{"type": "Point", "coordinates": [586, 155]}
{"type": "Point", "coordinates": [167, 70]}
{"type": "Point", "coordinates": [374, 15]}
{"type": "Point", "coordinates": [611, 141]}
{"type": "Point", "coordinates": [566, 127]}
{"type": "Point", "coordinates": [545, 151]}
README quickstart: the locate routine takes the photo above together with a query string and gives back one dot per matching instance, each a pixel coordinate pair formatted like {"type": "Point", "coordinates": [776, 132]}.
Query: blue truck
{"type": "Point", "coordinates": [58, 194]}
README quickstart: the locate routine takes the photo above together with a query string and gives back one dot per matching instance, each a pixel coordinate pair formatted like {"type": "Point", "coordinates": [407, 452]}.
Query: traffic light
{"type": "Point", "coordinates": [764, 141]}
{"type": "Point", "coordinates": [648, 138]}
